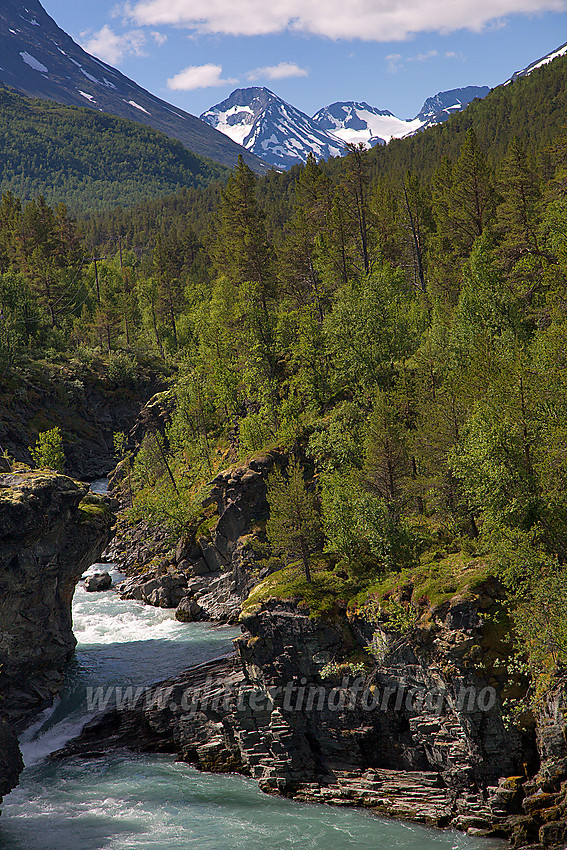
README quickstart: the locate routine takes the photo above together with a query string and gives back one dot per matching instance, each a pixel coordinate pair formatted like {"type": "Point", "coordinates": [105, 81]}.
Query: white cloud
{"type": "Point", "coordinates": [281, 71]}
{"type": "Point", "coordinates": [111, 47]}
{"type": "Point", "coordinates": [159, 38]}
{"type": "Point", "coordinates": [369, 20]}
{"type": "Point", "coordinates": [394, 61]}
{"type": "Point", "coordinates": [423, 57]}
{"type": "Point", "coordinates": [199, 77]}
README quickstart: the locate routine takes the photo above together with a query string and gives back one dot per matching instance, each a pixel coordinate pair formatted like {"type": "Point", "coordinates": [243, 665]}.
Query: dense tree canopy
{"type": "Point", "coordinates": [404, 332]}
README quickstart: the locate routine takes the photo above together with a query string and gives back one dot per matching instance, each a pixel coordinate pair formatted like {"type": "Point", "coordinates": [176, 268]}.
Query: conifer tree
{"type": "Point", "coordinates": [294, 526]}
{"type": "Point", "coordinates": [242, 251]}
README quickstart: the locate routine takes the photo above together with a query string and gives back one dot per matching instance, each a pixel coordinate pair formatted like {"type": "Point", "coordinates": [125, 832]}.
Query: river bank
{"type": "Point", "coordinates": [124, 800]}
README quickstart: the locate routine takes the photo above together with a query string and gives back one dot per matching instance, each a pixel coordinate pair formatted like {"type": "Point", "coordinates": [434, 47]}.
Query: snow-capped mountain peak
{"type": "Point", "coordinates": [357, 122]}
{"type": "Point", "coordinates": [272, 129]}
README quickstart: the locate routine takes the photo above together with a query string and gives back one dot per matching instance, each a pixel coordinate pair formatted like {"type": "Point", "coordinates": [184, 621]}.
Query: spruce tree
{"type": "Point", "coordinates": [294, 526]}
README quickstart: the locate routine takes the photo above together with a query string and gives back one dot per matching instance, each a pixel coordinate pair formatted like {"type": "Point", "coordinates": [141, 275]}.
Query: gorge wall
{"type": "Point", "coordinates": [421, 736]}
{"type": "Point", "coordinates": [420, 731]}
{"type": "Point", "coordinates": [51, 530]}
{"type": "Point", "coordinates": [87, 406]}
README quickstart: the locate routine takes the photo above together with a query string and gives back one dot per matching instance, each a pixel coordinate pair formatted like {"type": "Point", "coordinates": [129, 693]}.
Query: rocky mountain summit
{"type": "Point", "coordinates": [284, 136]}
{"type": "Point", "coordinates": [274, 130]}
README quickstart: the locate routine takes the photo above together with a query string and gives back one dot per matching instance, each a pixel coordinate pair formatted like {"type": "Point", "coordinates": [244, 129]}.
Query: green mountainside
{"type": "Point", "coordinates": [73, 77]}
{"type": "Point", "coordinates": [395, 320]}
{"type": "Point", "coordinates": [89, 159]}
{"type": "Point", "coordinates": [532, 108]}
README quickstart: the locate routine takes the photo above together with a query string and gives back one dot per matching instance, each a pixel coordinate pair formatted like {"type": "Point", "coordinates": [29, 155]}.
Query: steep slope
{"type": "Point", "coordinates": [271, 128]}
{"type": "Point", "coordinates": [39, 59]}
{"type": "Point", "coordinates": [539, 63]}
{"type": "Point", "coordinates": [441, 106]}
{"type": "Point", "coordinates": [88, 159]}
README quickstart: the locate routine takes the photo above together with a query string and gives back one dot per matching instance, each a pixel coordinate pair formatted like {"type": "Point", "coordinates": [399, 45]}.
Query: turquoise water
{"type": "Point", "coordinates": [130, 802]}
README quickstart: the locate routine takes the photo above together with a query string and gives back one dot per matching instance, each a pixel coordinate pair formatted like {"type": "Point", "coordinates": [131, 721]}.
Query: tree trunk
{"type": "Point", "coordinates": [305, 559]}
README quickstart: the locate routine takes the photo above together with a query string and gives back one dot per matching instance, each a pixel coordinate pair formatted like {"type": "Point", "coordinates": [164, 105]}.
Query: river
{"type": "Point", "coordinates": [124, 801]}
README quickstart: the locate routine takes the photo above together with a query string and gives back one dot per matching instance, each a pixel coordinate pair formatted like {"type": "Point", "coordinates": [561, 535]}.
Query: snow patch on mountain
{"type": "Point", "coordinates": [33, 62]}
{"type": "Point", "coordinates": [38, 59]}
{"type": "Point", "coordinates": [137, 106]}
{"type": "Point", "coordinates": [271, 128]}
{"type": "Point", "coordinates": [357, 122]}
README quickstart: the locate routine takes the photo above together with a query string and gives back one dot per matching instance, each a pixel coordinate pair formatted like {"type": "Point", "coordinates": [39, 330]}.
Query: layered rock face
{"type": "Point", "coordinates": [420, 737]}
{"type": "Point", "coordinates": [51, 530]}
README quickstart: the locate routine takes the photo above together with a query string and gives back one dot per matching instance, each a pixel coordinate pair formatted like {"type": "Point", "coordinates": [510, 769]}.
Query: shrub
{"type": "Point", "coordinates": [48, 451]}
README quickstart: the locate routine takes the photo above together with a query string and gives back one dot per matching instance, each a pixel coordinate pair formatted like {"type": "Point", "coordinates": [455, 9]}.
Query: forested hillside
{"type": "Point", "coordinates": [532, 108]}
{"type": "Point", "coordinates": [89, 159]}
{"type": "Point", "coordinates": [401, 332]}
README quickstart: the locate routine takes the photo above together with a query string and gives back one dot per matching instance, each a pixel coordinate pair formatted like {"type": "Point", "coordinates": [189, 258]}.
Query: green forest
{"type": "Point", "coordinates": [394, 321]}
{"type": "Point", "coordinates": [90, 160]}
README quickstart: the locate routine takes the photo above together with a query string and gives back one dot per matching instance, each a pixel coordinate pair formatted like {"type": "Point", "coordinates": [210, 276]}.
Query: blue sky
{"type": "Point", "coordinates": [391, 53]}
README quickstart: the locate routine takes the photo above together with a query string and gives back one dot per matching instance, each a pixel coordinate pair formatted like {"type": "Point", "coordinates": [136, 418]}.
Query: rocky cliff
{"type": "Point", "coordinates": [419, 733]}
{"type": "Point", "coordinates": [86, 404]}
{"type": "Point", "coordinates": [341, 705]}
{"type": "Point", "coordinates": [208, 574]}
{"type": "Point", "coordinates": [51, 530]}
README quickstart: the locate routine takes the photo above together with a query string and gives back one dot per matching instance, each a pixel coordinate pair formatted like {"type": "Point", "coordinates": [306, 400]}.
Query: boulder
{"type": "Point", "coordinates": [189, 611]}
{"type": "Point", "coordinates": [98, 582]}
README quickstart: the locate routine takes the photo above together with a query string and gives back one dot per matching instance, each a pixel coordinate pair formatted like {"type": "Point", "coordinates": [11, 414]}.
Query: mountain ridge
{"type": "Point", "coordinates": [39, 59]}
{"type": "Point", "coordinates": [271, 128]}
{"type": "Point", "coordinates": [281, 134]}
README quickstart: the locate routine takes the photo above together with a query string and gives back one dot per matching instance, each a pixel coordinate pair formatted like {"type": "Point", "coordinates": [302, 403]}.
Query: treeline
{"type": "Point", "coordinates": [533, 109]}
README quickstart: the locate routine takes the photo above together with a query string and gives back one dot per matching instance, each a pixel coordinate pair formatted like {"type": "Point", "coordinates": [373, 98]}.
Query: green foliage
{"type": "Point", "coordinates": [93, 160]}
{"type": "Point", "coordinates": [48, 451]}
{"type": "Point", "coordinates": [337, 441]}
{"type": "Point", "coordinates": [254, 433]}
{"type": "Point", "coordinates": [356, 522]}
{"type": "Point", "coordinates": [294, 527]}
{"type": "Point", "coordinates": [336, 671]}
{"type": "Point", "coordinates": [541, 622]}
{"type": "Point", "coordinates": [402, 617]}
{"type": "Point", "coordinates": [405, 331]}
{"type": "Point", "coordinates": [122, 368]}
{"type": "Point", "coordinates": [120, 444]}
{"type": "Point", "coordinates": [323, 594]}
